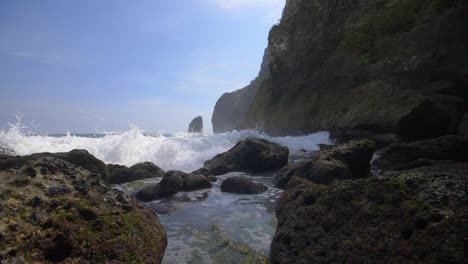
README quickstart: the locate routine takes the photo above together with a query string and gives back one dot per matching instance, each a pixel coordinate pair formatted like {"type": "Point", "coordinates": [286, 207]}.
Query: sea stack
{"type": "Point", "coordinates": [196, 126]}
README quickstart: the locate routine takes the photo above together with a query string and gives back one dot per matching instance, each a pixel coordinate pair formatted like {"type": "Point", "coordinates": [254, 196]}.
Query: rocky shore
{"type": "Point", "coordinates": [59, 208]}
{"type": "Point", "coordinates": [352, 202]}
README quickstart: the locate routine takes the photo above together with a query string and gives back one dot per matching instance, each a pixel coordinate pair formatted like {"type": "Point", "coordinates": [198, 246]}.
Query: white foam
{"type": "Point", "coordinates": [182, 151]}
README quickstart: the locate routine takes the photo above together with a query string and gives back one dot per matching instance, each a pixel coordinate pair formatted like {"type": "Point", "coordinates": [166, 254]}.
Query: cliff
{"type": "Point", "coordinates": [382, 66]}
{"type": "Point", "coordinates": [231, 108]}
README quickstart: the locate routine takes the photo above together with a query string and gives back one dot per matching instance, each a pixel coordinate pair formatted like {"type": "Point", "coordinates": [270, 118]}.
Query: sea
{"type": "Point", "coordinates": [205, 226]}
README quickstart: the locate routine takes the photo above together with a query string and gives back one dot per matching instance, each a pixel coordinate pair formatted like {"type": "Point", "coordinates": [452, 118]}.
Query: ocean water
{"type": "Point", "coordinates": [204, 226]}
{"type": "Point", "coordinates": [170, 151]}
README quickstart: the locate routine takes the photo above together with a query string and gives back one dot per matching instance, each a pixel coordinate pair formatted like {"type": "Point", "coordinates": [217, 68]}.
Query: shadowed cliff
{"type": "Point", "coordinates": [382, 66]}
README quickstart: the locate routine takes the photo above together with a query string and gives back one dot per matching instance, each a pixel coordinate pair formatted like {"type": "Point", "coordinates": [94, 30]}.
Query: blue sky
{"type": "Point", "coordinates": [92, 66]}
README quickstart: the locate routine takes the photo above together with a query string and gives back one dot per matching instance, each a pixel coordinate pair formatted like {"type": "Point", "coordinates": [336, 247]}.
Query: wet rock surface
{"type": "Point", "coordinates": [242, 185]}
{"type": "Point", "coordinates": [400, 156]}
{"type": "Point", "coordinates": [196, 125]}
{"type": "Point", "coordinates": [172, 183]}
{"type": "Point", "coordinates": [55, 211]}
{"type": "Point", "coordinates": [346, 161]}
{"type": "Point", "coordinates": [120, 174]}
{"type": "Point", "coordinates": [251, 155]}
{"type": "Point", "coordinates": [78, 157]}
{"type": "Point", "coordinates": [408, 216]}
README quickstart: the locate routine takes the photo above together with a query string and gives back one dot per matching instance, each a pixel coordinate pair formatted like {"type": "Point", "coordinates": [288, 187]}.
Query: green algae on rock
{"type": "Point", "coordinates": [54, 211]}
{"type": "Point", "coordinates": [402, 217]}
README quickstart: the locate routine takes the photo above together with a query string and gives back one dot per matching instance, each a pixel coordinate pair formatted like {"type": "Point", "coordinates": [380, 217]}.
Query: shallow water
{"type": "Point", "coordinates": [205, 226]}
{"type": "Point", "coordinates": [209, 226]}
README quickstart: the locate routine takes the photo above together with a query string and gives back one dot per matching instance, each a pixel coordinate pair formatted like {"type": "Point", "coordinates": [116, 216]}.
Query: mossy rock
{"type": "Point", "coordinates": [65, 214]}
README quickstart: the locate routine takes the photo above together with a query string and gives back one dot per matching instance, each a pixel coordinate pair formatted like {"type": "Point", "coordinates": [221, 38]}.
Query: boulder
{"type": "Point", "coordinates": [196, 126]}
{"type": "Point", "coordinates": [346, 161]}
{"type": "Point", "coordinates": [78, 157]}
{"type": "Point", "coordinates": [463, 127]}
{"type": "Point", "coordinates": [207, 173]}
{"type": "Point", "coordinates": [400, 156]}
{"type": "Point", "coordinates": [54, 211]}
{"type": "Point", "coordinates": [242, 185]}
{"type": "Point", "coordinates": [402, 217]}
{"type": "Point", "coordinates": [424, 122]}
{"type": "Point", "coordinates": [172, 183]}
{"type": "Point", "coordinates": [120, 174]}
{"type": "Point", "coordinates": [251, 155]}
{"type": "Point", "coordinates": [381, 140]}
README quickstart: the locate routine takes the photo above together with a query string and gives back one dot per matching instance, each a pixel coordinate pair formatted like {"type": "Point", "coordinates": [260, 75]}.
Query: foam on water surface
{"type": "Point", "coordinates": [181, 151]}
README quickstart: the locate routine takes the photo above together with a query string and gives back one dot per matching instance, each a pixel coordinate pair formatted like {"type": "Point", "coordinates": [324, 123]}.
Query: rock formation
{"type": "Point", "coordinates": [382, 66]}
{"type": "Point", "coordinates": [242, 185]}
{"type": "Point", "coordinates": [196, 126]}
{"type": "Point", "coordinates": [417, 215]}
{"type": "Point", "coordinates": [250, 155]}
{"type": "Point", "coordinates": [120, 174]}
{"type": "Point", "coordinates": [172, 183]}
{"type": "Point", "coordinates": [53, 210]}
{"type": "Point", "coordinates": [231, 108]}
{"type": "Point", "coordinates": [347, 161]}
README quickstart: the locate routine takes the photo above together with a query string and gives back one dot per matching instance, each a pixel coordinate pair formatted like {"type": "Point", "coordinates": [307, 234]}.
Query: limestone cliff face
{"type": "Point", "coordinates": [359, 64]}
{"type": "Point", "coordinates": [231, 108]}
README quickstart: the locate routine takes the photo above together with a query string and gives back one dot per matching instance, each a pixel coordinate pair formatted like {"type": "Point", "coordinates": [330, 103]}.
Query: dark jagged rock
{"type": "Point", "coordinates": [410, 216]}
{"type": "Point", "coordinates": [376, 61]}
{"type": "Point", "coordinates": [381, 140]}
{"type": "Point", "coordinates": [231, 108]}
{"type": "Point", "coordinates": [172, 183]}
{"type": "Point", "coordinates": [400, 156]}
{"type": "Point", "coordinates": [54, 211]}
{"type": "Point", "coordinates": [463, 127]}
{"type": "Point", "coordinates": [207, 173]}
{"type": "Point", "coordinates": [242, 185]}
{"type": "Point", "coordinates": [78, 157]}
{"type": "Point", "coordinates": [347, 161]}
{"type": "Point", "coordinates": [120, 174]}
{"type": "Point", "coordinates": [251, 155]}
{"type": "Point", "coordinates": [424, 122]}
{"type": "Point", "coordinates": [196, 125]}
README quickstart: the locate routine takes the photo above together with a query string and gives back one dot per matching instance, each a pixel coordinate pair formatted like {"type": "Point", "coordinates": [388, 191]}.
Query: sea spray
{"type": "Point", "coordinates": [181, 151]}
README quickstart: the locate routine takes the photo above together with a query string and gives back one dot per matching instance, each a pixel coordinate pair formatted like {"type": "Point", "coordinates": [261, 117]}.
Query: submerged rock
{"type": "Point", "coordinates": [242, 185]}
{"type": "Point", "coordinates": [252, 155]}
{"type": "Point", "coordinates": [346, 161]}
{"type": "Point", "coordinates": [120, 174]}
{"type": "Point", "coordinates": [54, 211]}
{"type": "Point", "coordinates": [401, 217]}
{"type": "Point", "coordinates": [400, 156]}
{"type": "Point", "coordinates": [172, 183]}
{"type": "Point", "coordinates": [196, 126]}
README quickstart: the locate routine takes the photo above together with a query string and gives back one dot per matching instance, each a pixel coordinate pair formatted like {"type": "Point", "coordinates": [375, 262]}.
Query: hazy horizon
{"type": "Point", "coordinates": [91, 66]}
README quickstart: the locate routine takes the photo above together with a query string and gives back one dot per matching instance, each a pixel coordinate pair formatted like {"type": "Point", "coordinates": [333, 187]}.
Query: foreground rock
{"type": "Point", "coordinates": [251, 155]}
{"type": "Point", "coordinates": [78, 157]}
{"type": "Point", "coordinates": [120, 174]}
{"type": "Point", "coordinates": [54, 211]}
{"type": "Point", "coordinates": [412, 216]}
{"type": "Point", "coordinates": [172, 183]}
{"type": "Point", "coordinates": [400, 156]}
{"type": "Point", "coordinates": [196, 126]}
{"type": "Point", "coordinates": [242, 185]}
{"type": "Point", "coordinates": [347, 161]}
